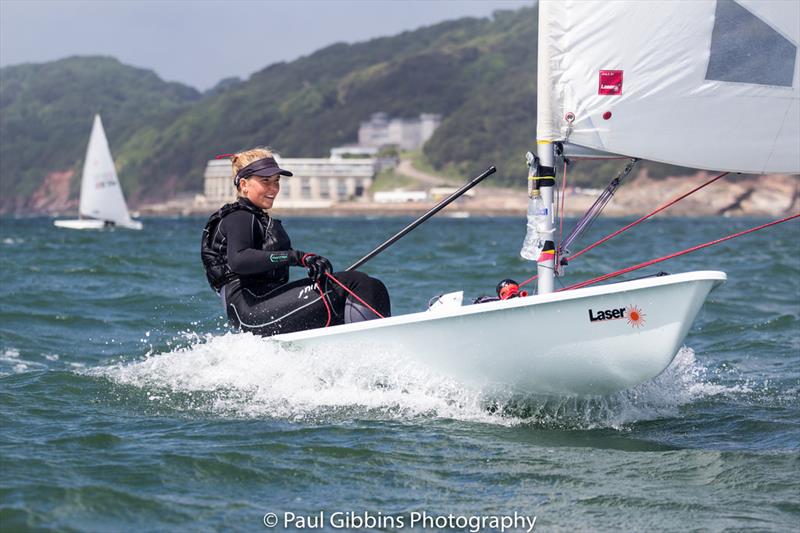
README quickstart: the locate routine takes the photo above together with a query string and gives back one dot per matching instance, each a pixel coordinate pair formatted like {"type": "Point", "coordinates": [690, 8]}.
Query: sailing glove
{"type": "Point", "coordinates": [317, 267]}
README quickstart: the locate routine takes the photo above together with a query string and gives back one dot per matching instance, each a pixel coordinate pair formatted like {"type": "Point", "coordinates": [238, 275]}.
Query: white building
{"type": "Point", "coordinates": [317, 182]}
{"type": "Point", "coordinates": [405, 133]}
{"type": "Point", "coordinates": [340, 153]}
{"type": "Point", "coordinates": [400, 196]}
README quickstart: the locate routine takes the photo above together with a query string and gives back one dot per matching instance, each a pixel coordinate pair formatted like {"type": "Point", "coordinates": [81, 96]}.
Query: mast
{"type": "Point", "coordinates": [544, 180]}
{"type": "Point", "coordinates": [547, 132]}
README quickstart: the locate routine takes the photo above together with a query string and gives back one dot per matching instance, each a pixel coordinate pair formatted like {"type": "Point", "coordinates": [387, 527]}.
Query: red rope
{"type": "Point", "coordinates": [632, 224]}
{"type": "Point", "coordinates": [676, 254]}
{"type": "Point", "coordinates": [324, 302]}
{"type": "Point", "coordinates": [354, 295]}
{"type": "Point", "coordinates": [642, 219]}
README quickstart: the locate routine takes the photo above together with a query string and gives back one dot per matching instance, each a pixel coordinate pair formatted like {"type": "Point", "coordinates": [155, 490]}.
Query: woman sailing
{"type": "Point", "coordinates": [247, 255]}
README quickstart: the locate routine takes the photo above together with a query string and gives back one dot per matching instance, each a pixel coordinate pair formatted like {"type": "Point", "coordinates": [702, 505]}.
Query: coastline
{"type": "Point", "coordinates": [771, 195]}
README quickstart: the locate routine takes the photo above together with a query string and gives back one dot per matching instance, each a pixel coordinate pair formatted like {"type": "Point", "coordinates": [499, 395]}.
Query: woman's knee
{"type": "Point", "coordinates": [352, 279]}
{"type": "Point", "coordinates": [370, 289]}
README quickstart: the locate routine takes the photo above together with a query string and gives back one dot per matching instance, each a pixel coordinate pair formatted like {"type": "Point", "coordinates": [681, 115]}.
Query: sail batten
{"type": "Point", "coordinates": [704, 84]}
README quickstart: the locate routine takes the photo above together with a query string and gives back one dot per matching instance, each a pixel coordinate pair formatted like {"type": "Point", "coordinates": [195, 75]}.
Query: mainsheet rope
{"type": "Point", "coordinates": [604, 276]}
{"type": "Point", "coordinates": [642, 219]}
{"type": "Point", "coordinates": [324, 302]}
{"type": "Point", "coordinates": [354, 295]}
{"type": "Point", "coordinates": [327, 305]}
{"type": "Point", "coordinates": [597, 243]}
{"type": "Point", "coordinates": [676, 254]}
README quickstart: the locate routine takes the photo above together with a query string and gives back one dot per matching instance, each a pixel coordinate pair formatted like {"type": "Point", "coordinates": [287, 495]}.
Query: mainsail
{"type": "Point", "coordinates": [703, 84]}
{"type": "Point", "coordinates": [101, 195]}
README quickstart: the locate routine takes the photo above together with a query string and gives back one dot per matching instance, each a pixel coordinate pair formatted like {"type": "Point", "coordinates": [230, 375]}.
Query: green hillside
{"type": "Point", "coordinates": [480, 74]}
{"type": "Point", "coordinates": [47, 112]}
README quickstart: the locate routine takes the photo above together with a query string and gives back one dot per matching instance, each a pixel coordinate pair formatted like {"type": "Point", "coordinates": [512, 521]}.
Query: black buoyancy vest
{"type": "Point", "coordinates": [214, 250]}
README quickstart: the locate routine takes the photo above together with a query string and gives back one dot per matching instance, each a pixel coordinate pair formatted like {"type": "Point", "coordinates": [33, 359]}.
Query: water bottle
{"type": "Point", "coordinates": [537, 224]}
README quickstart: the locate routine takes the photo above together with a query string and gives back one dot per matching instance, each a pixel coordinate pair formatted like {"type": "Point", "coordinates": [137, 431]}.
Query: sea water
{"type": "Point", "coordinates": [127, 403]}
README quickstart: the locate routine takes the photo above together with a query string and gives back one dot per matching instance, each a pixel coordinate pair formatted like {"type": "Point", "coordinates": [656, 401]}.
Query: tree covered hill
{"type": "Point", "coordinates": [46, 113]}
{"type": "Point", "coordinates": [480, 74]}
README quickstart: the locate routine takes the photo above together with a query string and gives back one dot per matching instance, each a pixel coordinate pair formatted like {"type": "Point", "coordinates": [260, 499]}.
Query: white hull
{"type": "Point", "coordinates": [90, 223]}
{"type": "Point", "coordinates": [544, 344]}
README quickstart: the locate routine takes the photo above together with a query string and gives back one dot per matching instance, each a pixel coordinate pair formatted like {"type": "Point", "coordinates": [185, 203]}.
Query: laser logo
{"type": "Point", "coordinates": [633, 314]}
{"type": "Point", "coordinates": [610, 83]}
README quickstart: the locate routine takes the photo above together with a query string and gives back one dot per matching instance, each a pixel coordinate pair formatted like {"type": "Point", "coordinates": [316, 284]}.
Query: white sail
{"type": "Point", "coordinates": [704, 84]}
{"type": "Point", "coordinates": [101, 195]}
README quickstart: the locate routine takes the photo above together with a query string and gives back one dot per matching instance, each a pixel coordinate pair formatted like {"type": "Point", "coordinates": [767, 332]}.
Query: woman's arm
{"type": "Point", "coordinates": [244, 258]}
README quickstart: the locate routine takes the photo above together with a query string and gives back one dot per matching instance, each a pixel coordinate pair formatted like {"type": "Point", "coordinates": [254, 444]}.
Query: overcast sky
{"type": "Point", "coordinates": [199, 42]}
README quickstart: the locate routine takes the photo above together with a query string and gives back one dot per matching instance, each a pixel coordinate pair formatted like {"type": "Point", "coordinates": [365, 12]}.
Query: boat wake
{"type": "Point", "coordinates": [244, 376]}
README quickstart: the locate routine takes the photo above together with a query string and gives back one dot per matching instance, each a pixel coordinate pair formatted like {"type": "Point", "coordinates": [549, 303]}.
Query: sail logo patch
{"type": "Point", "coordinates": [632, 314]}
{"type": "Point", "coordinates": [610, 83]}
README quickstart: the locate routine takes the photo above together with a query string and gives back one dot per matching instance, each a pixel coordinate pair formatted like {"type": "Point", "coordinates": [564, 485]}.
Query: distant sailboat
{"type": "Point", "coordinates": [101, 201]}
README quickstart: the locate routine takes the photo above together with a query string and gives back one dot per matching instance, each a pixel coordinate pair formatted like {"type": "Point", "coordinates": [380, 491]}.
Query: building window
{"type": "Point", "coordinates": [305, 188]}
{"type": "Point", "coordinates": [341, 190]}
{"type": "Point", "coordinates": [324, 188]}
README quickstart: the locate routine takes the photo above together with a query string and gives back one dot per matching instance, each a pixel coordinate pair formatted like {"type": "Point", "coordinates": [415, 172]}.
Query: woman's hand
{"type": "Point", "coordinates": [317, 266]}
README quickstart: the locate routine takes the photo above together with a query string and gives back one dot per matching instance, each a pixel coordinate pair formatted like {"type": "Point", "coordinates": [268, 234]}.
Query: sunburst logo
{"type": "Point", "coordinates": [636, 318]}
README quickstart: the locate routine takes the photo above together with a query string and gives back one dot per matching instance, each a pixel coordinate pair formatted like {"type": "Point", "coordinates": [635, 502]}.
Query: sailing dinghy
{"type": "Point", "coordinates": [705, 84]}
{"type": "Point", "coordinates": [101, 202]}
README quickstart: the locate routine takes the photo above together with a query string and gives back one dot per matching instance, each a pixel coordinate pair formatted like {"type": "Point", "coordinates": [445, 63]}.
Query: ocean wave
{"type": "Point", "coordinates": [242, 375]}
{"type": "Point", "coordinates": [11, 362]}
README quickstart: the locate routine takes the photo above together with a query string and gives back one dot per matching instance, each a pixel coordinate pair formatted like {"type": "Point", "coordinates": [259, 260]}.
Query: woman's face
{"type": "Point", "coordinates": [261, 190]}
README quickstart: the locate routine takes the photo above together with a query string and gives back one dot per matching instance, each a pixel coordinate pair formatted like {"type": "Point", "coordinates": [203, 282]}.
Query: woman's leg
{"type": "Point", "coordinates": [296, 306]}
{"type": "Point", "coordinates": [369, 289]}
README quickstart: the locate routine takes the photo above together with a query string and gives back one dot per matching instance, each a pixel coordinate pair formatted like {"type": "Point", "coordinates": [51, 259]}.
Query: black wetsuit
{"type": "Point", "coordinates": [256, 293]}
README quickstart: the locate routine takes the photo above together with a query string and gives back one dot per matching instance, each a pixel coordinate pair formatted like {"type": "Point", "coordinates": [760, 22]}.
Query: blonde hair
{"type": "Point", "coordinates": [242, 159]}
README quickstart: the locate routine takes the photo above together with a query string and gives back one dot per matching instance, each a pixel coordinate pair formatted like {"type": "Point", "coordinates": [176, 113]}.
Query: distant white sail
{"type": "Point", "coordinates": [704, 84]}
{"type": "Point", "coordinates": [101, 195]}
